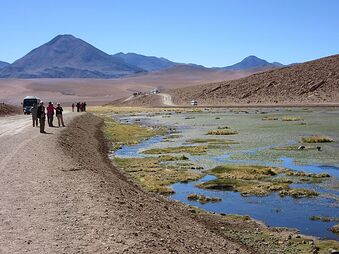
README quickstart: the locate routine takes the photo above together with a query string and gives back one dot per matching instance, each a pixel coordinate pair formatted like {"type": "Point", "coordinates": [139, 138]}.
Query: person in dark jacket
{"type": "Point", "coordinates": [78, 107]}
{"type": "Point", "coordinates": [41, 114]}
{"type": "Point", "coordinates": [58, 113]}
{"type": "Point", "coordinates": [34, 111]}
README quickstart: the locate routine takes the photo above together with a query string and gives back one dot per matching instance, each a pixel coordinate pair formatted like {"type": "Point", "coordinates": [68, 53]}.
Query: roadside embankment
{"type": "Point", "coordinates": [6, 109]}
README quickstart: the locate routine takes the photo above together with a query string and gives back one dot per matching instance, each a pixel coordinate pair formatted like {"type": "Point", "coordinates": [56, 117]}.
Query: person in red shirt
{"type": "Point", "coordinates": [50, 114]}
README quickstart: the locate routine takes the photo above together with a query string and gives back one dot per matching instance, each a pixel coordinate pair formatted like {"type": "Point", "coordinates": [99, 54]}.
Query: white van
{"type": "Point", "coordinates": [194, 103]}
{"type": "Point", "coordinates": [28, 102]}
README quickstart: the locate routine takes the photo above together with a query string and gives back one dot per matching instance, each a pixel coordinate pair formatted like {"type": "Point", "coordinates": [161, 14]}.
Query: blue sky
{"type": "Point", "coordinates": [207, 32]}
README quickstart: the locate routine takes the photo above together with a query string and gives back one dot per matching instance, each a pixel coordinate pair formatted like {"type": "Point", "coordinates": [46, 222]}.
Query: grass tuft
{"type": "Point", "coordinates": [316, 139]}
{"type": "Point", "coordinates": [222, 132]}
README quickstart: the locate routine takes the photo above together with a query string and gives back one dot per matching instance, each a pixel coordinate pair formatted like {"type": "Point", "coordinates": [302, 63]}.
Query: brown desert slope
{"type": "Point", "coordinates": [101, 91]}
{"type": "Point", "coordinates": [6, 109]}
{"type": "Point", "coordinates": [311, 82]}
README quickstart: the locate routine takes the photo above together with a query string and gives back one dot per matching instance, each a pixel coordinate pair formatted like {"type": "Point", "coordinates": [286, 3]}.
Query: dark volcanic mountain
{"type": "Point", "coordinates": [252, 62]}
{"type": "Point", "coordinates": [316, 81]}
{"type": "Point", "coordinates": [68, 57]}
{"type": "Point", "coordinates": [148, 63]}
{"type": "Point", "coordinates": [3, 64]}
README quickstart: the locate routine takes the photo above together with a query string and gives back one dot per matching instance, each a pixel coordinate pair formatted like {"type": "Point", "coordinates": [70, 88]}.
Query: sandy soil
{"type": "Point", "coordinates": [101, 91]}
{"type": "Point", "coordinates": [60, 194]}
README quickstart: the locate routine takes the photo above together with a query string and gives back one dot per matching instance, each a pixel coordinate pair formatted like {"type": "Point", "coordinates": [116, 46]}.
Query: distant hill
{"type": "Point", "coordinates": [310, 82]}
{"type": "Point", "coordinates": [252, 62]}
{"type": "Point", "coordinates": [66, 56]}
{"type": "Point", "coordinates": [3, 64]}
{"type": "Point", "coordinates": [148, 63]}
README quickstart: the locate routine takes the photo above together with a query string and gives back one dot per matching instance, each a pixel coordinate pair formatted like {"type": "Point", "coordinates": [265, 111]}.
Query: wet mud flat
{"type": "Point", "coordinates": [255, 138]}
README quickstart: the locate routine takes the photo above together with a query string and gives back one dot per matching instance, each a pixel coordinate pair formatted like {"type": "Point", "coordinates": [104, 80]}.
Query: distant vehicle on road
{"type": "Point", "coordinates": [155, 91]}
{"type": "Point", "coordinates": [28, 102]}
{"type": "Point", "coordinates": [194, 103]}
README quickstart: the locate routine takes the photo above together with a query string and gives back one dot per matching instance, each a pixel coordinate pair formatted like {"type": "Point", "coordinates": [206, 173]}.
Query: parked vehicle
{"type": "Point", "coordinates": [28, 102]}
{"type": "Point", "coordinates": [194, 103]}
{"type": "Point", "coordinates": [155, 91]}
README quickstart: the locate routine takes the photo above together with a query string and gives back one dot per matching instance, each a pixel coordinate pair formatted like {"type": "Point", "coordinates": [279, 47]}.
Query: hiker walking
{"type": "Point", "coordinates": [84, 106]}
{"type": "Point", "coordinates": [50, 114]}
{"type": "Point", "coordinates": [58, 113]}
{"type": "Point", "coordinates": [41, 116]}
{"type": "Point", "coordinates": [78, 107]}
{"type": "Point", "coordinates": [35, 115]}
{"type": "Point", "coordinates": [73, 107]}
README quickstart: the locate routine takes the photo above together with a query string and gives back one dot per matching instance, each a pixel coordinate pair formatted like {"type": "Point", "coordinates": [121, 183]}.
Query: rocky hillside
{"type": "Point", "coordinates": [311, 82]}
{"type": "Point", "coordinates": [6, 109]}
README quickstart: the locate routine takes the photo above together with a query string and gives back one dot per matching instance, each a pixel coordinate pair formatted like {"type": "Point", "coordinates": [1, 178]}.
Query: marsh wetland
{"type": "Point", "coordinates": [276, 165]}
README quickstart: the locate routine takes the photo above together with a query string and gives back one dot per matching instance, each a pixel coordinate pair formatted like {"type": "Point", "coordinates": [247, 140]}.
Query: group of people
{"type": "Point", "coordinates": [81, 106]}
{"type": "Point", "coordinates": [39, 115]}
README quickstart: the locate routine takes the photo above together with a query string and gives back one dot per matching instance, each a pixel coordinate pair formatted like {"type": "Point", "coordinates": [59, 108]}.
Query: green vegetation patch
{"type": "Point", "coordinates": [128, 134]}
{"type": "Point", "coordinates": [324, 218]}
{"type": "Point", "coordinates": [247, 179]}
{"type": "Point", "coordinates": [222, 132]}
{"type": "Point", "coordinates": [298, 193]}
{"type": "Point", "coordinates": [223, 127]}
{"type": "Point", "coordinates": [247, 172]}
{"type": "Point", "coordinates": [213, 141]}
{"type": "Point", "coordinates": [303, 174]}
{"type": "Point", "coordinates": [295, 148]}
{"type": "Point", "coordinates": [196, 150]}
{"type": "Point", "coordinates": [269, 118]}
{"type": "Point", "coordinates": [203, 199]}
{"type": "Point", "coordinates": [254, 180]}
{"type": "Point", "coordinates": [291, 118]}
{"type": "Point", "coordinates": [335, 229]}
{"type": "Point", "coordinates": [274, 240]}
{"type": "Point", "coordinates": [154, 175]}
{"type": "Point", "coordinates": [316, 139]}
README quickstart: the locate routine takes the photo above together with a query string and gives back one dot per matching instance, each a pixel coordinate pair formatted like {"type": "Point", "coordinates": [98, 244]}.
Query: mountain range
{"type": "Point", "coordinates": [66, 56]}
{"type": "Point", "coordinates": [251, 62]}
{"type": "Point", "coordinates": [148, 63]}
{"type": "Point", "coordinates": [3, 64]}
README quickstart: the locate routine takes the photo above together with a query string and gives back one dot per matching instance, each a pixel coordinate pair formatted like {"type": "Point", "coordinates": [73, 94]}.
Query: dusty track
{"type": "Point", "coordinates": [167, 99]}
{"type": "Point", "coordinates": [60, 194]}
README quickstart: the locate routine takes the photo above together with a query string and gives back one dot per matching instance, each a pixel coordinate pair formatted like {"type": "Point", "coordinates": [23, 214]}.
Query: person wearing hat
{"type": "Point", "coordinates": [58, 113]}
{"type": "Point", "coordinates": [41, 114]}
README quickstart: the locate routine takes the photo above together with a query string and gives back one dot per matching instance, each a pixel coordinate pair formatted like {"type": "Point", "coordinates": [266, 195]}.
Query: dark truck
{"type": "Point", "coordinates": [28, 102]}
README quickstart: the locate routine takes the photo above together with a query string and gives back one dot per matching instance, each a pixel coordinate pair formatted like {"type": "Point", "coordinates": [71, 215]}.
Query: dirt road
{"type": "Point", "coordinates": [167, 99]}
{"type": "Point", "coordinates": [60, 194]}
